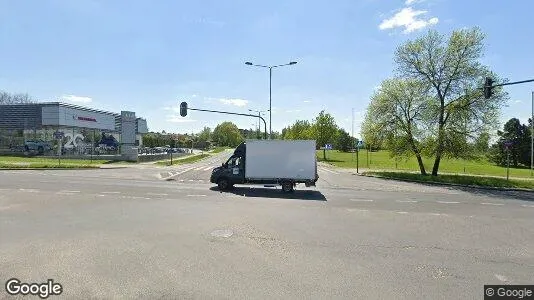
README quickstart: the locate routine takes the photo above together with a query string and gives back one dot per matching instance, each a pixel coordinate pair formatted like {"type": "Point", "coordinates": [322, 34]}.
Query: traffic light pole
{"type": "Point", "coordinates": [237, 114]}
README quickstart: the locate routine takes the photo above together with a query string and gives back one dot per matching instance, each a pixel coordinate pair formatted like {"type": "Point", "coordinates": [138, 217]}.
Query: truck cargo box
{"type": "Point", "coordinates": [277, 159]}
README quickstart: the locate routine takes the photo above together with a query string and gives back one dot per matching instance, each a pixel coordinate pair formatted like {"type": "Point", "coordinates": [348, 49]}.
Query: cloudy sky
{"type": "Point", "coordinates": [148, 56]}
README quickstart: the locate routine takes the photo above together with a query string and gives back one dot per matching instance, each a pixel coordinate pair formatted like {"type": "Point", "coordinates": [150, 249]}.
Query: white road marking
{"type": "Point", "coordinates": [362, 200]}
{"type": "Point", "coordinates": [111, 192]}
{"type": "Point", "coordinates": [356, 209]}
{"type": "Point", "coordinates": [196, 195]}
{"type": "Point", "coordinates": [501, 278]}
{"type": "Point", "coordinates": [208, 168]}
{"type": "Point", "coordinates": [101, 195]}
{"type": "Point", "coordinates": [435, 214]}
{"type": "Point", "coordinates": [525, 205]}
{"type": "Point", "coordinates": [8, 206]}
{"type": "Point", "coordinates": [65, 191]}
{"type": "Point", "coordinates": [448, 202]}
{"type": "Point", "coordinates": [201, 180]}
{"type": "Point", "coordinates": [157, 194]}
{"type": "Point", "coordinates": [29, 190]}
{"type": "Point", "coordinates": [198, 169]}
{"type": "Point", "coordinates": [191, 180]}
{"type": "Point", "coordinates": [487, 203]}
{"type": "Point", "coordinates": [181, 180]}
{"type": "Point", "coordinates": [329, 171]}
{"type": "Point", "coordinates": [402, 212]}
{"type": "Point", "coordinates": [407, 201]}
{"type": "Point", "coordinates": [3, 189]}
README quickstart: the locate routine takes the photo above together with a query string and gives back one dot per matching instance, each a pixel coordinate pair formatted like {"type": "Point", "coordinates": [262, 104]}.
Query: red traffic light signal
{"type": "Point", "coordinates": [183, 109]}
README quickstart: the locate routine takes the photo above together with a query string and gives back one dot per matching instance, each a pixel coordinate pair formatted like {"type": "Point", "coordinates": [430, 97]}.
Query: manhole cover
{"type": "Point", "coordinates": [224, 233]}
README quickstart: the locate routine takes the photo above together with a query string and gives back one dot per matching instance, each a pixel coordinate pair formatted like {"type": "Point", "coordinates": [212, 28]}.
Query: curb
{"type": "Point", "coordinates": [196, 161]}
{"type": "Point", "coordinates": [22, 169]}
{"type": "Point", "coordinates": [452, 184]}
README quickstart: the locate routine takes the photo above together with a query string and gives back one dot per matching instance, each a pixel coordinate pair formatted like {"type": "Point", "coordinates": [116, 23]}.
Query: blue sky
{"type": "Point", "coordinates": [147, 56]}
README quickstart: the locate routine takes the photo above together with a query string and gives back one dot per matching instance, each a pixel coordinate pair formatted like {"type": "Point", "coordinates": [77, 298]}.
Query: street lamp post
{"type": "Point", "coordinates": [259, 116]}
{"type": "Point", "coordinates": [270, 88]}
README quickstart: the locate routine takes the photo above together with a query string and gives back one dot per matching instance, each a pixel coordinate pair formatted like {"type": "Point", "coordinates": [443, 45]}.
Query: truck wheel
{"type": "Point", "coordinates": [40, 150]}
{"type": "Point", "coordinates": [287, 187]}
{"type": "Point", "coordinates": [26, 148]}
{"type": "Point", "coordinates": [223, 184]}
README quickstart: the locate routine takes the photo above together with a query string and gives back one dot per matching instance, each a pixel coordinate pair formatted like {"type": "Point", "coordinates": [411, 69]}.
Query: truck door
{"type": "Point", "coordinates": [237, 166]}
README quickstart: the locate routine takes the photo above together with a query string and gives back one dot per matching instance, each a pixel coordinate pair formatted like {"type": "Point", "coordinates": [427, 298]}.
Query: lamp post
{"type": "Point", "coordinates": [259, 116]}
{"type": "Point", "coordinates": [248, 63]}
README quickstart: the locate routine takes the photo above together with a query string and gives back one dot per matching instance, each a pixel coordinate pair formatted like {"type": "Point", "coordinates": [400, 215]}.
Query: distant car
{"type": "Point", "coordinates": [37, 145]}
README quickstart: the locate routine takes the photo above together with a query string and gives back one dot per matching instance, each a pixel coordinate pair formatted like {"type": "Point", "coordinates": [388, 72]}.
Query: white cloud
{"type": "Point", "coordinates": [518, 101]}
{"type": "Point", "coordinates": [409, 2]}
{"type": "Point", "coordinates": [235, 102]}
{"type": "Point", "coordinates": [76, 99]}
{"type": "Point", "coordinates": [306, 101]}
{"type": "Point", "coordinates": [179, 119]}
{"type": "Point", "coordinates": [408, 18]}
{"type": "Point", "coordinates": [167, 108]}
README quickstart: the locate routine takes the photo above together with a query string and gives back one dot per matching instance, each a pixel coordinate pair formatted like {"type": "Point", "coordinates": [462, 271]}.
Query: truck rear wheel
{"type": "Point", "coordinates": [223, 184]}
{"type": "Point", "coordinates": [287, 187]}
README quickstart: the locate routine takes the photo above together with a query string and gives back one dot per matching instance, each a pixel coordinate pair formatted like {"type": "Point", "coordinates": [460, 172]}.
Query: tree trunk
{"type": "Point", "coordinates": [324, 154]}
{"type": "Point", "coordinates": [435, 168]}
{"type": "Point", "coordinates": [417, 152]}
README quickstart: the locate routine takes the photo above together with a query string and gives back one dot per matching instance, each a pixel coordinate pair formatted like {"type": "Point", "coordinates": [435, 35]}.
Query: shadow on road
{"type": "Point", "coordinates": [517, 195]}
{"type": "Point", "coordinates": [258, 192]}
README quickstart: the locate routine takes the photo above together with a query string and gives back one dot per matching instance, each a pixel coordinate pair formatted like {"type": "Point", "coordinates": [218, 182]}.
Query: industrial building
{"type": "Point", "coordinates": [82, 128]}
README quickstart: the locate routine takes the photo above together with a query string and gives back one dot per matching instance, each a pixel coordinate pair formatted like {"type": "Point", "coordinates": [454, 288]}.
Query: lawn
{"type": "Point", "coordinates": [39, 162]}
{"type": "Point", "coordinates": [219, 149]}
{"type": "Point", "coordinates": [380, 160]}
{"type": "Point", "coordinates": [187, 160]}
{"type": "Point", "coordinates": [458, 179]}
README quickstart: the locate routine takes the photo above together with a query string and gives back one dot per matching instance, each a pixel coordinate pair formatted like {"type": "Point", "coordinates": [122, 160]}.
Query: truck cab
{"type": "Point", "coordinates": [229, 173]}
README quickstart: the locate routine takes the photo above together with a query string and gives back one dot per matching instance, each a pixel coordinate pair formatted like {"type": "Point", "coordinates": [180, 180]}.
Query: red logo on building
{"type": "Point", "coordinates": [87, 119]}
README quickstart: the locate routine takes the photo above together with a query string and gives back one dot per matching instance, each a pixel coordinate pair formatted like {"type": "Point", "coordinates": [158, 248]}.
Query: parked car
{"type": "Point", "coordinates": [37, 145]}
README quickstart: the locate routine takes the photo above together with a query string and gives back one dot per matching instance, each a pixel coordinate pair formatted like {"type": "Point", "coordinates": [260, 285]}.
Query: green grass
{"type": "Point", "coordinates": [219, 149]}
{"type": "Point", "coordinates": [380, 160]}
{"type": "Point", "coordinates": [458, 179]}
{"type": "Point", "coordinates": [186, 160]}
{"type": "Point", "coordinates": [9, 162]}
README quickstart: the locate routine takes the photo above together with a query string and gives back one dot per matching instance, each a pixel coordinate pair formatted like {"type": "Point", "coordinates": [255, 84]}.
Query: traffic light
{"type": "Point", "coordinates": [183, 109]}
{"type": "Point", "coordinates": [488, 85]}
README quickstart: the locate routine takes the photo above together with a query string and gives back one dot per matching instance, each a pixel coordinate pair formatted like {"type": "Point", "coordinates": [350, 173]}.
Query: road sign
{"type": "Point", "coordinates": [328, 146]}
{"type": "Point", "coordinates": [359, 144]}
{"type": "Point", "coordinates": [58, 135]}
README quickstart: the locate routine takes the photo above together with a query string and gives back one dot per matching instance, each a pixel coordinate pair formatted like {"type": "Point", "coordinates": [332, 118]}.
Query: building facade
{"type": "Point", "coordinates": [83, 129]}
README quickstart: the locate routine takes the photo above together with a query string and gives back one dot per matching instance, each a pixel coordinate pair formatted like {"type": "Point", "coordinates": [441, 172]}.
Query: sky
{"type": "Point", "coordinates": [148, 56]}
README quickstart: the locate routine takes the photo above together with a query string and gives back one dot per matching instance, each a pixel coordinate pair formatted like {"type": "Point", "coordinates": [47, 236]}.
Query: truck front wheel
{"type": "Point", "coordinates": [287, 187]}
{"type": "Point", "coordinates": [223, 184]}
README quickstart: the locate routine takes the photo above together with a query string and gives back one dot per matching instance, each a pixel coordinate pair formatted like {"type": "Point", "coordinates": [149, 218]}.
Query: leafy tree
{"type": "Point", "coordinates": [396, 117]}
{"type": "Point", "coordinates": [451, 67]}
{"type": "Point", "coordinates": [324, 130]}
{"type": "Point", "coordinates": [344, 142]}
{"type": "Point", "coordinates": [300, 130]}
{"type": "Point", "coordinates": [519, 136]}
{"type": "Point", "coordinates": [227, 134]}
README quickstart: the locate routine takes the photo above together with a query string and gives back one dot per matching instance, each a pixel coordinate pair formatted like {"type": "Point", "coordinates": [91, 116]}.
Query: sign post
{"type": "Point", "coordinates": [507, 146]}
{"type": "Point", "coordinates": [58, 135]}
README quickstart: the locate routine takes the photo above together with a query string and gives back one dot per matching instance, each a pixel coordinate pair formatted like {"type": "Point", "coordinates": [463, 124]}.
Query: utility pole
{"type": "Point", "coordinates": [352, 140]}
{"type": "Point", "coordinates": [532, 138]}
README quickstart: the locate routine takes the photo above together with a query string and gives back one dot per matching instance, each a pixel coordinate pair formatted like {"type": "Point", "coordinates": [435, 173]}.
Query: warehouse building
{"type": "Point", "coordinates": [79, 129]}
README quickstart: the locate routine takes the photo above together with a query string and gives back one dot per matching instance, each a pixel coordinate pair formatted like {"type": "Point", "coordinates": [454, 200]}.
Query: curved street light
{"type": "Point", "coordinates": [248, 63]}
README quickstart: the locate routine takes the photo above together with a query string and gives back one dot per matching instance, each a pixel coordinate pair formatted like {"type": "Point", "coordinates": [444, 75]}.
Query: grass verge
{"type": "Point", "coordinates": [187, 160]}
{"type": "Point", "coordinates": [457, 179]}
{"type": "Point", "coordinates": [219, 149]}
{"type": "Point", "coordinates": [380, 160]}
{"type": "Point", "coordinates": [12, 162]}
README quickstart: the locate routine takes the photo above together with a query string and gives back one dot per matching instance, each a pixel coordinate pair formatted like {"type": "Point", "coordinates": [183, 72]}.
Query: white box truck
{"type": "Point", "coordinates": [282, 162]}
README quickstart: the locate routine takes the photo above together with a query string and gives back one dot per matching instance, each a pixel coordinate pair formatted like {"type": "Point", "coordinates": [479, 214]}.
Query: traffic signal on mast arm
{"type": "Point", "coordinates": [183, 109]}
{"type": "Point", "coordinates": [488, 86]}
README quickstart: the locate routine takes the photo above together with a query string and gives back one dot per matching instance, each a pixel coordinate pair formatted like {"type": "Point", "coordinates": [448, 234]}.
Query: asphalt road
{"type": "Point", "coordinates": [130, 233]}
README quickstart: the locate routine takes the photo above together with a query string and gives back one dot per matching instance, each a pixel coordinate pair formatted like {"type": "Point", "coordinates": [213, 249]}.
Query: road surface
{"type": "Point", "coordinates": [130, 233]}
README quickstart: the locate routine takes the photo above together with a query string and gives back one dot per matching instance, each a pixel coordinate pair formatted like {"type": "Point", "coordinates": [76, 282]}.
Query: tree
{"type": "Point", "coordinates": [300, 130]}
{"type": "Point", "coordinates": [7, 98]}
{"type": "Point", "coordinates": [518, 135]}
{"type": "Point", "coordinates": [451, 68]}
{"type": "Point", "coordinates": [344, 142]}
{"type": "Point", "coordinates": [324, 130]}
{"type": "Point", "coordinates": [396, 117]}
{"type": "Point", "coordinates": [227, 134]}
